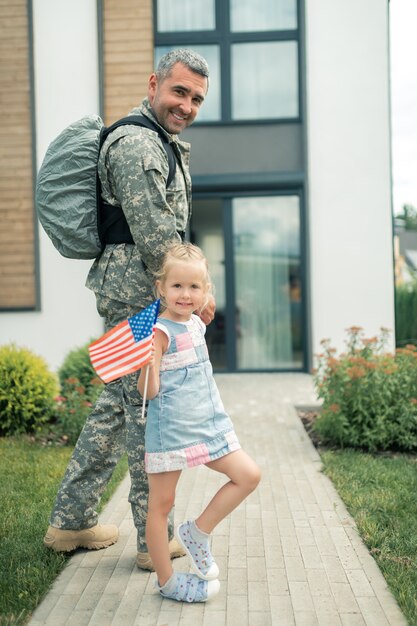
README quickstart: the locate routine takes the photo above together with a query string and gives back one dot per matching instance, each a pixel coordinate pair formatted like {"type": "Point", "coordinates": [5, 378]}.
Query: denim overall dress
{"type": "Point", "coordinates": [186, 423]}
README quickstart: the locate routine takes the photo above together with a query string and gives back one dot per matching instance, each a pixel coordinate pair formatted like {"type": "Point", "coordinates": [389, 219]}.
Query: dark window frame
{"type": "Point", "coordinates": [224, 38]}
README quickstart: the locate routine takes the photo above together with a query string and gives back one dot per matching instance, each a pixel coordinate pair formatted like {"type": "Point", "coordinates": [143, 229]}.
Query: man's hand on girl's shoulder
{"type": "Point", "coordinates": [207, 314]}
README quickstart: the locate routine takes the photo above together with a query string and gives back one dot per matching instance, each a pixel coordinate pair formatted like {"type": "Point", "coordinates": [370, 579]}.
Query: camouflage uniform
{"type": "Point", "coordinates": [133, 169]}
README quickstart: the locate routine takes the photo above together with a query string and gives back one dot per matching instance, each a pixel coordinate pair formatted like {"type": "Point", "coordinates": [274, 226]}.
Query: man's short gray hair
{"type": "Point", "coordinates": [191, 59]}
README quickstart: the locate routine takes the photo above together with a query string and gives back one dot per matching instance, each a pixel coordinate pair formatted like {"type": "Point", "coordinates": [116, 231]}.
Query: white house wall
{"type": "Point", "coordinates": [351, 268]}
{"type": "Point", "coordinates": [66, 88]}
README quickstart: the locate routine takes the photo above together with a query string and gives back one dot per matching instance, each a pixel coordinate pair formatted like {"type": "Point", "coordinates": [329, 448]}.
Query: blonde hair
{"type": "Point", "coordinates": [188, 253]}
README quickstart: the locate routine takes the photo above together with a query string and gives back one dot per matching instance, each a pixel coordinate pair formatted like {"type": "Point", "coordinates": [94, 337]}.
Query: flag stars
{"type": "Point", "coordinates": [142, 323]}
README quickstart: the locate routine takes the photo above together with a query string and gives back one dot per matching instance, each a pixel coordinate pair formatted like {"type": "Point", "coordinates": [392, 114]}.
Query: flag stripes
{"type": "Point", "coordinates": [125, 348]}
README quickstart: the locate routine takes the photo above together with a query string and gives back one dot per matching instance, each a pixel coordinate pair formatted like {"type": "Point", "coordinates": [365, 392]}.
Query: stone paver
{"type": "Point", "coordinates": [289, 555]}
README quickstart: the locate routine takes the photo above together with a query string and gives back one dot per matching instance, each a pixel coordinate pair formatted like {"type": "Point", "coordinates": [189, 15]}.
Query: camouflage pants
{"type": "Point", "coordinates": [114, 425]}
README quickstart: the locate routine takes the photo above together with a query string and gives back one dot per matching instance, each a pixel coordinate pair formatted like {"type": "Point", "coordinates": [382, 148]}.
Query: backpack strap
{"type": "Point", "coordinates": [112, 224]}
{"type": "Point", "coordinates": [145, 122]}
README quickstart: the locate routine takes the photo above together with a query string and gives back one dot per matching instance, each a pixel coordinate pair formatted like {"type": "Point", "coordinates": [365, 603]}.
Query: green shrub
{"type": "Point", "coordinates": [369, 396]}
{"type": "Point", "coordinates": [405, 313]}
{"type": "Point", "coordinates": [77, 364]}
{"type": "Point", "coordinates": [27, 391]}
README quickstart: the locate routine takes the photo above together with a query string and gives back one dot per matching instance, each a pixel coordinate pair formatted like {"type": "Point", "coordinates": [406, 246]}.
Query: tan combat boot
{"type": "Point", "coordinates": [93, 538]}
{"type": "Point", "coordinates": [143, 560]}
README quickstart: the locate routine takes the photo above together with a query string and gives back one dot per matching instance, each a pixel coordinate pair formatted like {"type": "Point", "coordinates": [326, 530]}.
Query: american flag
{"type": "Point", "coordinates": [126, 347]}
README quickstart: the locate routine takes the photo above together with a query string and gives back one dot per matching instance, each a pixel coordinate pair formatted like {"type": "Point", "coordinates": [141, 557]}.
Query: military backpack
{"type": "Point", "coordinates": [68, 189]}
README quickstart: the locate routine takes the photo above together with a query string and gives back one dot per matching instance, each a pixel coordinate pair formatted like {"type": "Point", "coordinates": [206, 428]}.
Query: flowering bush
{"type": "Point", "coordinates": [80, 387]}
{"type": "Point", "coordinates": [369, 395]}
{"type": "Point", "coordinates": [72, 410]}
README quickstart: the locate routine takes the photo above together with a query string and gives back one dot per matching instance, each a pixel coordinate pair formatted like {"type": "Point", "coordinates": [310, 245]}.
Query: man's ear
{"type": "Point", "coordinates": [152, 87]}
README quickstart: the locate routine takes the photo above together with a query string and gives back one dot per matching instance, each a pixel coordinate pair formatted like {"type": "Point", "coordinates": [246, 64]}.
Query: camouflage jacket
{"type": "Point", "coordinates": [133, 169]}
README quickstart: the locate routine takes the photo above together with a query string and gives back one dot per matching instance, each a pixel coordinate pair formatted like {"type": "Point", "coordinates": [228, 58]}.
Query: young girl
{"type": "Point", "coordinates": [187, 426]}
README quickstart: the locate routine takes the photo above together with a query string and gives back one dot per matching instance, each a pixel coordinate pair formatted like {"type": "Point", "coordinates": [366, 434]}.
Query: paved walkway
{"type": "Point", "coordinates": [289, 555]}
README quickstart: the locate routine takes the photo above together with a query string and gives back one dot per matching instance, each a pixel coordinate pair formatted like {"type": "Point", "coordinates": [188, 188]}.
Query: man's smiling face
{"type": "Point", "coordinates": [176, 99]}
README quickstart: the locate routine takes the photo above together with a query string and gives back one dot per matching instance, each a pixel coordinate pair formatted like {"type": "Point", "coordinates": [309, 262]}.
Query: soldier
{"type": "Point", "coordinates": [133, 169]}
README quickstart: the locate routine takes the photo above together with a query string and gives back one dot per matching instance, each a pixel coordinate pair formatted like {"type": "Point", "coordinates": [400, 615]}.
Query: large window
{"type": "Point", "coordinates": [247, 15]}
{"type": "Point", "coordinates": [264, 80]}
{"type": "Point", "coordinates": [252, 50]}
{"type": "Point", "coordinates": [186, 15]}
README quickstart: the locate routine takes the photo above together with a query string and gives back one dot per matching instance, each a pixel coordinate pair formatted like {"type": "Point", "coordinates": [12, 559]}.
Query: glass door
{"type": "Point", "coordinates": [266, 254]}
{"type": "Point", "coordinates": [253, 247]}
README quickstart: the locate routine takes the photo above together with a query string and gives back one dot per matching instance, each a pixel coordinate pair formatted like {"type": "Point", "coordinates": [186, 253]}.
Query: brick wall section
{"type": "Point", "coordinates": [17, 262]}
{"type": "Point", "coordinates": [128, 54]}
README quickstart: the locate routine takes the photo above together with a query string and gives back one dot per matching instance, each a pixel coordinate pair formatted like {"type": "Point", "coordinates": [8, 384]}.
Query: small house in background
{"type": "Point", "coordinates": [290, 164]}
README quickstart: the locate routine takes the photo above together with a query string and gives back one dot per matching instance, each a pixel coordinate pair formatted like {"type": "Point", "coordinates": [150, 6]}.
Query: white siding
{"type": "Point", "coordinates": [351, 269]}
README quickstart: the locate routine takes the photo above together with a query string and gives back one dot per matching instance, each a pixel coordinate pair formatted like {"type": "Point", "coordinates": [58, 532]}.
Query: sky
{"type": "Point", "coordinates": [403, 28]}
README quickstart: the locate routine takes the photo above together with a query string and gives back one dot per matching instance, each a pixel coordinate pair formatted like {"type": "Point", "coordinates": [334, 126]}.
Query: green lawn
{"type": "Point", "coordinates": [380, 492]}
{"type": "Point", "coordinates": [30, 474]}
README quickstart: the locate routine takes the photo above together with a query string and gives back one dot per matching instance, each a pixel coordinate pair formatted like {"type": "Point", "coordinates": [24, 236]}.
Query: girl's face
{"type": "Point", "coordinates": [184, 289]}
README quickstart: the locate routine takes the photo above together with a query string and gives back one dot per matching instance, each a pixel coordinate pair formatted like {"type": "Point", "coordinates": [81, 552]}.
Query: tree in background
{"type": "Point", "coordinates": [408, 217]}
